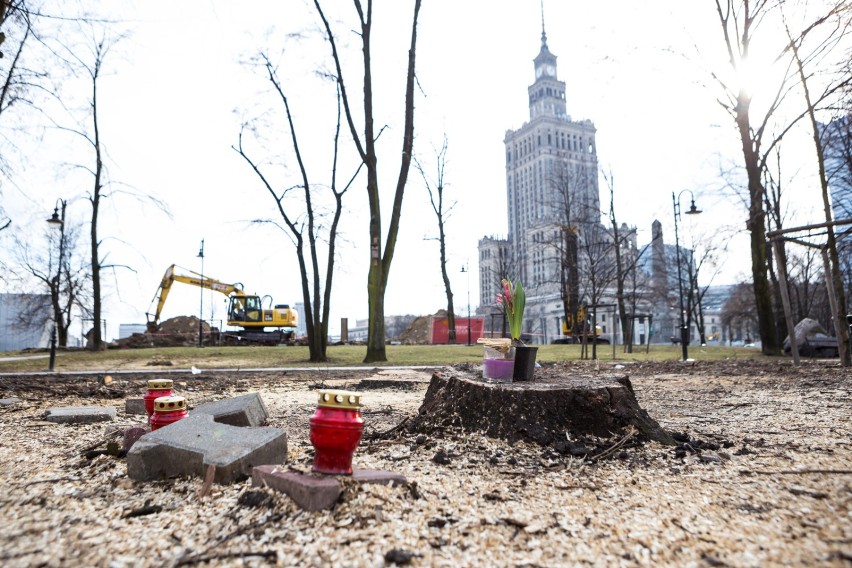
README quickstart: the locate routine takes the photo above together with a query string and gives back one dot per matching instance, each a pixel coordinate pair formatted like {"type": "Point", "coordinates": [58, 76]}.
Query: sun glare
{"type": "Point", "coordinates": [753, 76]}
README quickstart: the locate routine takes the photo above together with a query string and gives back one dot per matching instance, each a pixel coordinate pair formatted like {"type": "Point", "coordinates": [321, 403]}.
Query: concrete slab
{"type": "Point", "coordinates": [245, 410]}
{"type": "Point", "coordinates": [79, 414]}
{"type": "Point", "coordinates": [9, 401]}
{"type": "Point", "coordinates": [313, 491]}
{"type": "Point", "coordinates": [188, 446]}
{"type": "Point", "coordinates": [135, 406]}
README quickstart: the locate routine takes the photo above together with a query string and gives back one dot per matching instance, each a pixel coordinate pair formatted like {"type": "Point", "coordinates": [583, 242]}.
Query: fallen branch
{"type": "Point", "coordinates": [238, 531]}
{"type": "Point", "coordinates": [142, 511]}
{"type": "Point", "coordinates": [268, 554]}
{"type": "Point", "coordinates": [611, 450]}
{"type": "Point", "coordinates": [51, 480]}
{"type": "Point", "coordinates": [208, 481]}
{"type": "Point", "coordinates": [796, 472]}
{"type": "Point", "coordinates": [386, 433]}
{"type": "Point", "coordinates": [108, 437]}
{"type": "Point", "coordinates": [386, 410]}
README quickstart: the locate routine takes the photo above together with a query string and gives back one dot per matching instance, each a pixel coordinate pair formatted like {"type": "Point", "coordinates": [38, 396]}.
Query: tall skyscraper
{"type": "Point", "coordinates": [552, 196]}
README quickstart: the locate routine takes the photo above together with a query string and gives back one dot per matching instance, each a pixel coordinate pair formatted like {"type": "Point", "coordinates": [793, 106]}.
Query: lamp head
{"type": "Point", "coordinates": [693, 210]}
{"type": "Point", "coordinates": [54, 219]}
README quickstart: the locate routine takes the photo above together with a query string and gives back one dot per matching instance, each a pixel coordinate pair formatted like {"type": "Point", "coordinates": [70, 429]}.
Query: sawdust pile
{"type": "Point", "coordinates": [760, 477]}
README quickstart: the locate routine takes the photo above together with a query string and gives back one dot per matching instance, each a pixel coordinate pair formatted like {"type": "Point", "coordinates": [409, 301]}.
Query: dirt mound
{"type": "Point", "coordinates": [183, 324]}
{"type": "Point", "coordinates": [418, 332]}
{"type": "Point", "coordinates": [180, 331]}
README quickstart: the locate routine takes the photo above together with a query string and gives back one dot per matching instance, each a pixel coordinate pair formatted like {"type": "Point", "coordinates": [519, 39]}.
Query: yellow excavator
{"type": "Point", "coordinates": [570, 335]}
{"type": "Point", "coordinates": [245, 311]}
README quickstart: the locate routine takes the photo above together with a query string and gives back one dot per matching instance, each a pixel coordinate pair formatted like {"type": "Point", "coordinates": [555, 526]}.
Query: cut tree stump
{"type": "Point", "coordinates": [542, 411]}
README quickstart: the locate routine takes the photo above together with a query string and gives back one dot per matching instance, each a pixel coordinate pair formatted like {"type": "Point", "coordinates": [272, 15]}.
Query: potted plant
{"type": "Point", "coordinates": [513, 300]}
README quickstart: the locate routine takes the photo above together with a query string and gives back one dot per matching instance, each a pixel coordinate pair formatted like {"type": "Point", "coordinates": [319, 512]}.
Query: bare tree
{"type": "Point", "coordinates": [302, 220]}
{"type": "Point", "coordinates": [598, 270]}
{"type": "Point", "coordinates": [568, 215]}
{"type": "Point", "coordinates": [739, 315]}
{"type": "Point", "coordinates": [740, 21]}
{"type": "Point", "coordinates": [381, 251]}
{"type": "Point", "coordinates": [703, 258]}
{"type": "Point", "coordinates": [442, 212]}
{"type": "Point", "coordinates": [88, 60]}
{"type": "Point", "coordinates": [808, 295]}
{"type": "Point", "coordinates": [61, 272]}
{"type": "Point", "coordinates": [627, 259]}
{"type": "Point", "coordinates": [817, 57]}
{"type": "Point", "coordinates": [92, 64]}
{"type": "Point", "coordinates": [13, 75]}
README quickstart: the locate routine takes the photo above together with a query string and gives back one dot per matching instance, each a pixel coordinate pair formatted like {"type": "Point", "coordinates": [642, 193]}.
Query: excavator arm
{"type": "Point", "coordinates": [194, 279]}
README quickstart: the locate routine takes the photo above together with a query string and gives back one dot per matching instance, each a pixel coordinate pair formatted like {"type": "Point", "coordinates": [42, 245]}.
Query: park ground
{"type": "Point", "coordinates": [761, 475]}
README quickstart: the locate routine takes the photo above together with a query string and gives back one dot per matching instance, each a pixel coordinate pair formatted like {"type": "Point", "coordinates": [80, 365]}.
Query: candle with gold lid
{"type": "Point", "coordinates": [336, 429]}
{"type": "Point", "coordinates": [156, 389]}
{"type": "Point", "coordinates": [168, 409]}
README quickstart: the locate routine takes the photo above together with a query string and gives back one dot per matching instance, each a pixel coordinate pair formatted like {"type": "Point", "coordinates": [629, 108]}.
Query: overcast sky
{"type": "Point", "coordinates": [178, 88]}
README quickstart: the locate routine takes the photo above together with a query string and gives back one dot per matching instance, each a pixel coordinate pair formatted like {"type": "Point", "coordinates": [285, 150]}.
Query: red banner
{"type": "Point", "coordinates": [440, 332]}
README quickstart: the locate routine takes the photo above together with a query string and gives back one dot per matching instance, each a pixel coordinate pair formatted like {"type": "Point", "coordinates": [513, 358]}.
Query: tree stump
{"type": "Point", "coordinates": [542, 411]}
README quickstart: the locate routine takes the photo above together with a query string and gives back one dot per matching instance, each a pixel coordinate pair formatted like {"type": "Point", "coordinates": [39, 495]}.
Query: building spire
{"type": "Point", "coordinates": [543, 34]}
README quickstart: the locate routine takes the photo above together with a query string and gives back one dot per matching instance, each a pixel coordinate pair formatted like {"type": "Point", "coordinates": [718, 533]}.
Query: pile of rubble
{"type": "Point", "coordinates": [419, 331]}
{"type": "Point", "coordinates": [180, 331]}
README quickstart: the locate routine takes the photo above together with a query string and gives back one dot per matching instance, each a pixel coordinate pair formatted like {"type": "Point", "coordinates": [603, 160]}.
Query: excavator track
{"type": "Point", "coordinates": [247, 337]}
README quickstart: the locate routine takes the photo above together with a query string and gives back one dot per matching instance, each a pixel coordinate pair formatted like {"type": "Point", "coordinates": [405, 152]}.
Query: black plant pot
{"type": "Point", "coordinates": [524, 363]}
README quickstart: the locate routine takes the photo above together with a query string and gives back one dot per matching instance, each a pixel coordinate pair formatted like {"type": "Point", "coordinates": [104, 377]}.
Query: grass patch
{"type": "Point", "coordinates": [339, 356]}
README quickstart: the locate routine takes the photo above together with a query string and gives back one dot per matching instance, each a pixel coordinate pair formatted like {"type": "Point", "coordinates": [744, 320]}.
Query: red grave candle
{"type": "Point", "coordinates": [336, 429]}
{"type": "Point", "coordinates": [156, 389]}
{"type": "Point", "coordinates": [167, 409]}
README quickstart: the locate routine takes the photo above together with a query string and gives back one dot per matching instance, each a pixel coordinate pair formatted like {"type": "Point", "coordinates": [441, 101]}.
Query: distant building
{"type": "Point", "coordinates": [556, 244]}
{"type": "Point", "coordinates": [128, 329]}
{"type": "Point", "coordinates": [551, 188]}
{"type": "Point", "coordinates": [25, 321]}
{"type": "Point", "coordinates": [301, 329]}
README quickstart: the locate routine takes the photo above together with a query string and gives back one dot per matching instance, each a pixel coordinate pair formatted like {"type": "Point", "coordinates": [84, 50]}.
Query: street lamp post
{"type": "Point", "coordinates": [684, 330]}
{"type": "Point", "coordinates": [467, 270]}
{"type": "Point", "coordinates": [201, 302]}
{"type": "Point", "coordinates": [57, 220]}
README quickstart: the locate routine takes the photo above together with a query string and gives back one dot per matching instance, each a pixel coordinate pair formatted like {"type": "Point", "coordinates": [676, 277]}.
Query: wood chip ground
{"type": "Point", "coordinates": [762, 477]}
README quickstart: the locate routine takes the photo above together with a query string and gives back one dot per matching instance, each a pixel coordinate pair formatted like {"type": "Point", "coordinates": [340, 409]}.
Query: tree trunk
{"type": "Point", "coordinates": [550, 410]}
{"type": "Point", "coordinates": [376, 323]}
{"type": "Point", "coordinates": [97, 336]}
{"type": "Point", "coordinates": [380, 257]}
{"type": "Point", "coordinates": [756, 225]}
{"type": "Point", "coordinates": [96, 343]}
{"type": "Point", "coordinates": [451, 313]}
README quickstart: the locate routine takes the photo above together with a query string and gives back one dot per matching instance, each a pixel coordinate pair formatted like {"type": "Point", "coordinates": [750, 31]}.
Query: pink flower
{"type": "Point", "coordinates": [513, 301]}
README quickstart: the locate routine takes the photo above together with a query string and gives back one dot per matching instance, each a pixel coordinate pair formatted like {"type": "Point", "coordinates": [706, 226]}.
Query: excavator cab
{"type": "Point", "coordinates": [242, 308]}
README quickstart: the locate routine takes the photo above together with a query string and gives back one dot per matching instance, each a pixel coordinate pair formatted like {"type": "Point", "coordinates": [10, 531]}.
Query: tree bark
{"type": "Point", "coordinates": [548, 411]}
{"type": "Point", "coordinates": [756, 225]}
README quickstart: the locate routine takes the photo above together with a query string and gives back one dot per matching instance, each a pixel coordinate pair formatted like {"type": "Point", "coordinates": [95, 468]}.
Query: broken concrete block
{"type": "Point", "coordinates": [245, 410]}
{"type": "Point", "coordinates": [79, 414]}
{"type": "Point", "coordinates": [135, 406]}
{"type": "Point", "coordinates": [310, 492]}
{"type": "Point", "coordinates": [314, 492]}
{"type": "Point", "coordinates": [132, 435]}
{"type": "Point", "coordinates": [188, 446]}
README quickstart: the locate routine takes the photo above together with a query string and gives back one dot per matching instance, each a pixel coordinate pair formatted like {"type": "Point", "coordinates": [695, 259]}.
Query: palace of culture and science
{"type": "Point", "coordinates": [552, 192]}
